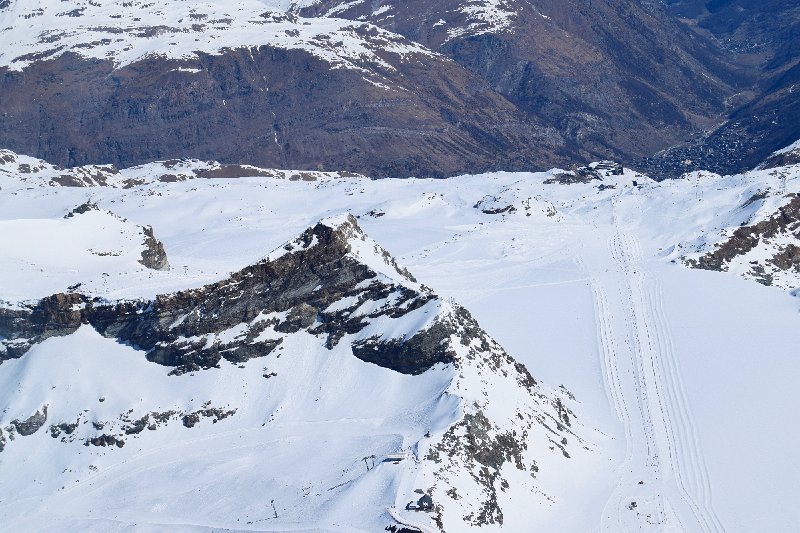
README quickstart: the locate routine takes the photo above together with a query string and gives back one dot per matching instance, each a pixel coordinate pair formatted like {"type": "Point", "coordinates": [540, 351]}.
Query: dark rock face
{"type": "Point", "coordinates": [618, 79]}
{"type": "Point", "coordinates": [579, 175]}
{"type": "Point", "coordinates": [54, 316]}
{"type": "Point", "coordinates": [228, 172]}
{"type": "Point", "coordinates": [215, 414]}
{"type": "Point", "coordinates": [246, 315]}
{"type": "Point", "coordinates": [412, 356]}
{"type": "Point", "coordinates": [282, 109]}
{"type": "Point", "coordinates": [66, 428]}
{"type": "Point", "coordinates": [32, 424]}
{"type": "Point", "coordinates": [105, 440]}
{"type": "Point", "coordinates": [81, 209]}
{"type": "Point", "coordinates": [153, 255]}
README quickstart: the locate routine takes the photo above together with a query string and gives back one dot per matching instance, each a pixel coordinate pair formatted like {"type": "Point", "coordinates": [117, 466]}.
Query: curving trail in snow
{"type": "Point", "coordinates": [663, 483]}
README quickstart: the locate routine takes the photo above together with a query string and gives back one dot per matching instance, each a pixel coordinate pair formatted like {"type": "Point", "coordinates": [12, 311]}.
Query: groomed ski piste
{"type": "Point", "coordinates": [683, 379]}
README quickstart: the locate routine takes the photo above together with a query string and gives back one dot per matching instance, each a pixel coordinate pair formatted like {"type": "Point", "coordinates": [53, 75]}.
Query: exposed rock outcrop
{"type": "Point", "coordinates": [32, 424]}
{"type": "Point", "coordinates": [300, 286]}
{"type": "Point", "coordinates": [83, 208]}
{"type": "Point", "coordinates": [153, 255]}
{"type": "Point", "coordinates": [775, 241]}
{"type": "Point", "coordinates": [782, 158]}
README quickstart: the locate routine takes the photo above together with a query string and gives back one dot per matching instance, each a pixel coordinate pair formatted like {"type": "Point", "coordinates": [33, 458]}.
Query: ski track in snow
{"type": "Point", "coordinates": [663, 481]}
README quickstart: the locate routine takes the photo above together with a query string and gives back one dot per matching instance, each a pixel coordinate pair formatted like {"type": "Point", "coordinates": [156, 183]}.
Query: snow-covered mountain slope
{"type": "Point", "coordinates": [580, 275]}
{"type": "Point", "coordinates": [39, 173]}
{"type": "Point", "coordinates": [127, 32]}
{"type": "Point", "coordinates": [270, 354]}
{"type": "Point", "coordinates": [85, 243]}
{"type": "Point", "coordinates": [765, 247]}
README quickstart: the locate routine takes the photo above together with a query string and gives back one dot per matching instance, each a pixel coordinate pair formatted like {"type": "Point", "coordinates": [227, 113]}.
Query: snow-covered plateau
{"type": "Point", "coordinates": [190, 346]}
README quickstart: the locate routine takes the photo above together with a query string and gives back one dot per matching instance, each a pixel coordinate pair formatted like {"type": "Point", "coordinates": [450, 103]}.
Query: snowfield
{"type": "Point", "coordinates": [681, 381]}
{"type": "Point", "coordinates": [126, 32]}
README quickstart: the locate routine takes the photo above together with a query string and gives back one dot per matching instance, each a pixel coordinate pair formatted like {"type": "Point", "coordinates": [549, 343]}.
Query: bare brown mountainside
{"type": "Point", "coordinates": [619, 79]}
{"type": "Point", "coordinates": [763, 35]}
{"type": "Point", "coordinates": [513, 85]}
{"type": "Point", "coordinates": [273, 108]}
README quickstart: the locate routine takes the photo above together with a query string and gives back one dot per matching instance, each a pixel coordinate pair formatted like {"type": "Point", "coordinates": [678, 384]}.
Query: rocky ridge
{"type": "Point", "coordinates": [338, 286]}
{"type": "Point", "coordinates": [243, 316]}
{"type": "Point", "coordinates": [36, 172]}
{"type": "Point", "coordinates": [766, 250]}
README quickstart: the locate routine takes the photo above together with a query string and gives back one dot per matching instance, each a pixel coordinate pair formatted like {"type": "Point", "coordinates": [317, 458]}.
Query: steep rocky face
{"type": "Point", "coordinates": [315, 283]}
{"type": "Point", "coordinates": [32, 424]}
{"type": "Point", "coordinates": [518, 85]}
{"type": "Point", "coordinates": [767, 251]}
{"type": "Point", "coordinates": [153, 255]}
{"type": "Point", "coordinates": [270, 107]}
{"type": "Point", "coordinates": [619, 79]}
{"type": "Point", "coordinates": [57, 315]}
{"type": "Point", "coordinates": [763, 36]}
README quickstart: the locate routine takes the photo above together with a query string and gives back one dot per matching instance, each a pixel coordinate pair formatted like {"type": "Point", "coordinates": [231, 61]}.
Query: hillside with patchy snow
{"type": "Point", "coordinates": [385, 88]}
{"type": "Point", "coordinates": [246, 82]}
